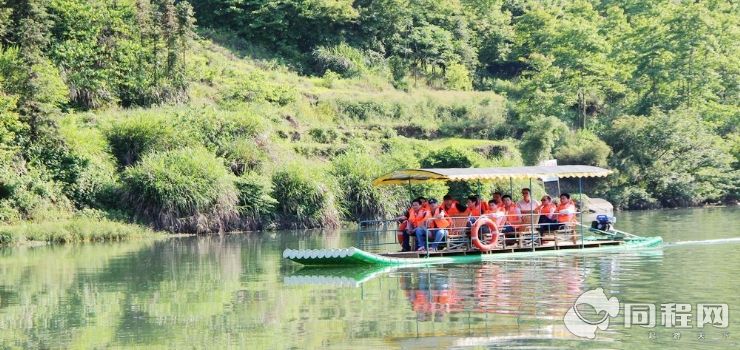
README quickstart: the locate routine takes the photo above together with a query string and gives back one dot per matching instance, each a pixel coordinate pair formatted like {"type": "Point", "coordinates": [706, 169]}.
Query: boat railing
{"type": "Point", "coordinates": [527, 232]}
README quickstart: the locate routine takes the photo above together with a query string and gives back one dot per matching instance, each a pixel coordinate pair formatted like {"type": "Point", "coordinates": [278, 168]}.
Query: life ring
{"type": "Point", "coordinates": [494, 234]}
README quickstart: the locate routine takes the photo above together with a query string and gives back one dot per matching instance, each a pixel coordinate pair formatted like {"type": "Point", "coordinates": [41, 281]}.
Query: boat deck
{"type": "Point", "coordinates": [546, 246]}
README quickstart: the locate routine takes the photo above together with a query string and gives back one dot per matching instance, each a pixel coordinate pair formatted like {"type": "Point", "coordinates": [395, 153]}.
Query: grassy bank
{"type": "Point", "coordinates": [194, 129]}
{"type": "Point", "coordinates": [72, 230]}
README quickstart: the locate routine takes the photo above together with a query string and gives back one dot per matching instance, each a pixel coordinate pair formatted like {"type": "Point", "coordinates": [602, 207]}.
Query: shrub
{"type": "Point", "coordinates": [583, 147]}
{"type": "Point", "coordinates": [367, 110]}
{"type": "Point", "coordinates": [342, 59]}
{"type": "Point", "coordinates": [483, 120]}
{"type": "Point", "coordinates": [132, 137]}
{"type": "Point", "coordinates": [450, 157]}
{"type": "Point", "coordinates": [541, 137]}
{"type": "Point", "coordinates": [323, 135]}
{"type": "Point", "coordinates": [182, 190]}
{"type": "Point", "coordinates": [304, 200]}
{"type": "Point", "coordinates": [359, 199]}
{"type": "Point", "coordinates": [256, 206]}
{"type": "Point", "coordinates": [257, 87]}
{"type": "Point", "coordinates": [457, 77]}
{"type": "Point", "coordinates": [243, 155]}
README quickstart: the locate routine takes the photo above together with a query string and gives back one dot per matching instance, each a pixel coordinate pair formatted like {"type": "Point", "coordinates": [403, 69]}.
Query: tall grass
{"type": "Point", "coordinates": [185, 190]}
{"type": "Point", "coordinates": [78, 229]}
{"type": "Point", "coordinates": [358, 198]}
{"type": "Point", "coordinates": [304, 197]}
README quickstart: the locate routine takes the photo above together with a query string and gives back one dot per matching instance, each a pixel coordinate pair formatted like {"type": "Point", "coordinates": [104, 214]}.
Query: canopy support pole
{"type": "Point", "coordinates": [580, 197]}
{"type": "Point", "coordinates": [531, 214]}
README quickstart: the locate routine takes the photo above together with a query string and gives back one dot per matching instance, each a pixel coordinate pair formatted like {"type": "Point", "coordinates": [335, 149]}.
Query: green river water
{"type": "Point", "coordinates": [236, 291]}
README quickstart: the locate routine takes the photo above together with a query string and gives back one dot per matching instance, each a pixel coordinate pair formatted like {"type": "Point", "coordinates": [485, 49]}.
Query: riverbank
{"type": "Point", "coordinates": [73, 230]}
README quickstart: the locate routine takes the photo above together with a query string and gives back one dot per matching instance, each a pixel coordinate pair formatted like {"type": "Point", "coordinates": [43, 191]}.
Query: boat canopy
{"type": "Point", "coordinates": [406, 176]}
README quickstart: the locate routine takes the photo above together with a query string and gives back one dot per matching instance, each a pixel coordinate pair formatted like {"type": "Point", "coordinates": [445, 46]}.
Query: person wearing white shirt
{"type": "Point", "coordinates": [527, 204]}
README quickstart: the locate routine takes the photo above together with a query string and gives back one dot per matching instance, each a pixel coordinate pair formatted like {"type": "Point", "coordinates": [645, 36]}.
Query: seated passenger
{"type": "Point", "coordinates": [566, 211]}
{"type": "Point", "coordinates": [527, 204]}
{"type": "Point", "coordinates": [546, 214]}
{"type": "Point", "coordinates": [424, 203]}
{"type": "Point", "coordinates": [473, 207]}
{"type": "Point", "coordinates": [450, 206]}
{"type": "Point", "coordinates": [497, 199]}
{"type": "Point", "coordinates": [436, 227]}
{"type": "Point", "coordinates": [415, 224]}
{"type": "Point", "coordinates": [513, 215]}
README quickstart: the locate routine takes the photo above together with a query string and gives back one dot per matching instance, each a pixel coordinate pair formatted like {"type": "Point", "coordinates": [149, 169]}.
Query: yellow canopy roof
{"type": "Point", "coordinates": [488, 174]}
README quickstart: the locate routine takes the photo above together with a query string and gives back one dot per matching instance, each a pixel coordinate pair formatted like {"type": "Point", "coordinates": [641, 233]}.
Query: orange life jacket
{"type": "Point", "coordinates": [546, 209]}
{"type": "Point", "coordinates": [473, 210]}
{"type": "Point", "coordinates": [417, 217]}
{"type": "Point", "coordinates": [440, 223]}
{"type": "Point", "coordinates": [452, 210]}
{"type": "Point", "coordinates": [563, 217]}
{"type": "Point", "coordinates": [512, 216]}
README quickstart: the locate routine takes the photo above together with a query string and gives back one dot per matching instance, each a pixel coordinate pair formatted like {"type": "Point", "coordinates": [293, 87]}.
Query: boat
{"type": "Point", "coordinates": [466, 243]}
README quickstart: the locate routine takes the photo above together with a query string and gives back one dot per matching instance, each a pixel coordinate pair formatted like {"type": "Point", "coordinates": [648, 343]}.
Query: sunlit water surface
{"type": "Point", "coordinates": [237, 292]}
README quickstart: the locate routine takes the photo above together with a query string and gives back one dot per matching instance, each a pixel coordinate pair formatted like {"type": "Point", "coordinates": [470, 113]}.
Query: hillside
{"type": "Point", "coordinates": [133, 112]}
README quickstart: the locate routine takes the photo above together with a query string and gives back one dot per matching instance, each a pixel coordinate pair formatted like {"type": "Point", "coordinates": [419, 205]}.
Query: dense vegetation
{"type": "Point", "coordinates": [279, 113]}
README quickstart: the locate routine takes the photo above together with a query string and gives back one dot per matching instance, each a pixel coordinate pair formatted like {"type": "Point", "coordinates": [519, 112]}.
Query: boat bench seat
{"type": "Point", "coordinates": [457, 235]}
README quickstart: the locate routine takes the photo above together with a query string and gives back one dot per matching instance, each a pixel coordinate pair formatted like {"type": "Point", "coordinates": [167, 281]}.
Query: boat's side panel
{"type": "Point", "coordinates": [354, 256]}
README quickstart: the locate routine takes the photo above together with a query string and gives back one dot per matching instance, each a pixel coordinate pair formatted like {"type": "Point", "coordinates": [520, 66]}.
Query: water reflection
{"type": "Point", "coordinates": [237, 292]}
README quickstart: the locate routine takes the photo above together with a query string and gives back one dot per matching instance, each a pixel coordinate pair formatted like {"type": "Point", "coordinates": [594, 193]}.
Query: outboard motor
{"type": "Point", "coordinates": [603, 222]}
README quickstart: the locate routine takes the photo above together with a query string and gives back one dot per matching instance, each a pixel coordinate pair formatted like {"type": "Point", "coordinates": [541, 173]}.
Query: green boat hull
{"type": "Point", "coordinates": [355, 257]}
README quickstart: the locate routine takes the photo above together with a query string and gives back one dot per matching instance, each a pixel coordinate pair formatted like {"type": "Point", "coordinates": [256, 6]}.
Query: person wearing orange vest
{"type": "Point", "coordinates": [416, 223]}
{"type": "Point", "coordinates": [497, 199]}
{"type": "Point", "coordinates": [546, 213]}
{"type": "Point", "coordinates": [473, 207]}
{"type": "Point", "coordinates": [411, 223]}
{"type": "Point", "coordinates": [566, 210]}
{"type": "Point", "coordinates": [424, 203]}
{"type": "Point", "coordinates": [450, 206]}
{"type": "Point", "coordinates": [436, 225]}
{"type": "Point", "coordinates": [513, 215]}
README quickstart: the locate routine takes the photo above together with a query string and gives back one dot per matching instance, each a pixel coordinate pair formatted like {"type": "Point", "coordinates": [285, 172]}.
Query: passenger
{"type": "Point", "coordinates": [566, 211]}
{"type": "Point", "coordinates": [513, 215]}
{"type": "Point", "coordinates": [483, 204]}
{"type": "Point", "coordinates": [527, 205]}
{"type": "Point", "coordinates": [497, 199]}
{"type": "Point", "coordinates": [436, 227]}
{"type": "Point", "coordinates": [473, 207]}
{"type": "Point", "coordinates": [424, 203]}
{"type": "Point", "coordinates": [415, 223]}
{"type": "Point", "coordinates": [450, 206]}
{"type": "Point", "coordinates": [546, 213]}
{"type": "Point", "coordinates": [496, 213]}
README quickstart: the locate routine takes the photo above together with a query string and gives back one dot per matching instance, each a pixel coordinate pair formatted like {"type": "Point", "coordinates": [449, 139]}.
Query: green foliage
{"type": "Point", "coordinates": [583, 147]}
{"type": "Point", "coordinates": [342, 59]}
{"type": "Point", "coordinates": [256, 207]}
{"type": "Point", "coordinates": [133, 137]}
{"type": "Point", "coordinates": [676, 159]}
{"type": "Point", "coordinates": [78, 229]}
{"type": "Point", "coordinates": [360, 200]}
{"type": "Point", "coordinates": [304, 198]}
{"type": "Point", "coordinates": [540, 140]}
{"type": "Point", "coordinates": [256, 87]}
{"type": "Point", "coordinates": [450, 157]}
{"type": "Point", "coordinates": [181, 190]}
{"type": "Point", "coordinates": [457, 77]}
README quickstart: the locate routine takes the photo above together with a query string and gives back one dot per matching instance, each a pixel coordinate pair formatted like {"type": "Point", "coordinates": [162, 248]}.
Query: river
{"type": "Point", "coordinates": [237, 292]}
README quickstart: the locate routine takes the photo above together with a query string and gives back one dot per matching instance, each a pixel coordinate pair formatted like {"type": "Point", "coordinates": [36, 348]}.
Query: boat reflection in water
{"type": "Point", "coordinates": [505, 301]}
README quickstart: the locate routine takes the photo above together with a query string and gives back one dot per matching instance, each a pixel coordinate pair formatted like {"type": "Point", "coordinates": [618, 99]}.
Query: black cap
{"type": "Point", "coordinates": [432, 201]}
